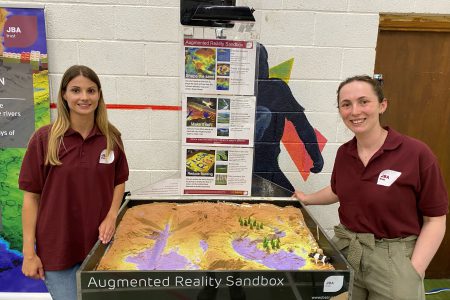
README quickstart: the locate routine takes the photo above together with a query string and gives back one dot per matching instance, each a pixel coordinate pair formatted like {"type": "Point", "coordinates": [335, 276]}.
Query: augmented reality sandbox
{"type": "Point", "coordinates": [199, 247]}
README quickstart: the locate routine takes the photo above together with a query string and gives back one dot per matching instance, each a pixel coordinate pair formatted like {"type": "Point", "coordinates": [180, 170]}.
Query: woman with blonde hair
{"type": "Point", "coordinates": [73, 177]}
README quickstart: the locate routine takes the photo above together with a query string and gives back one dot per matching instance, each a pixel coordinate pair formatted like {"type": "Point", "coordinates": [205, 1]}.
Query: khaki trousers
{"type": "Point", "coordinates": [384, 270]}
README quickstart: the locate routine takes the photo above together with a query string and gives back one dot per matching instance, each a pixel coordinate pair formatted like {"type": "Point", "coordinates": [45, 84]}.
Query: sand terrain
{"type": "Point", "coordinates": [211, 236]}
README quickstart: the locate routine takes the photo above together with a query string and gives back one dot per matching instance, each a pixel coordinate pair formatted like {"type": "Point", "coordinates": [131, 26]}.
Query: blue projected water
{"type": "Point", "coordinates": [11, 278]}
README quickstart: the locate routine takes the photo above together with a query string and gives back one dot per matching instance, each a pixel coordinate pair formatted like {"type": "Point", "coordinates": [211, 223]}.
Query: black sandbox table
{"type": "Point", "coordinates": [218, 285]}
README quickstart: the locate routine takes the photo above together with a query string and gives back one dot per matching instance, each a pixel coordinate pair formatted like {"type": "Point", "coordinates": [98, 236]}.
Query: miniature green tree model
{"type": "Point", "coordinates": [272, 243]}
{"type": "Point", "coordinates": [254, 223]}
{"type": "Point", "coordinates": [245, 222]}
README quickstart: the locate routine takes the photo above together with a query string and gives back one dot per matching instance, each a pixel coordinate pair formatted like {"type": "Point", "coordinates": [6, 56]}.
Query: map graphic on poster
{"type": "Point", "coordinates": [24, 106]}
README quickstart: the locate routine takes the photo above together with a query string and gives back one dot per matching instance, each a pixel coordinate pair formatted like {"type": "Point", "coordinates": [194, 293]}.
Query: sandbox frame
{"type": "Point", "coordinates": [262, 284]}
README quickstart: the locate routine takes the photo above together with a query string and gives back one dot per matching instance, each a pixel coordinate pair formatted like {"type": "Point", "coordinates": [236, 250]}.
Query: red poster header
{"type": "Point", "coordinates": [217, 141]}
{"type": "Point", "coordinates": [215, 192]}
{"type": "Point", "coordinates": [219, 43]}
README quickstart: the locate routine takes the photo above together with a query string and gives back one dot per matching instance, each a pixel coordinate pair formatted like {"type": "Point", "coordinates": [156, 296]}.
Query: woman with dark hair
{"type": "Point", "coordinates": [393, 200]}
{"type": "Point", "coordinates": [73, 177]}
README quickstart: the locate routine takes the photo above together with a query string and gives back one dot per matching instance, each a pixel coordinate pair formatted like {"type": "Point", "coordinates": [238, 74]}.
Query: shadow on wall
{"type": "Point", "coordinates": [280, 118]}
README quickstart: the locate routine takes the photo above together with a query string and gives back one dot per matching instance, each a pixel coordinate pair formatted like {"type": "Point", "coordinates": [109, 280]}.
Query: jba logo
{"type": "Point", "coordinates": [333, 284]}
{"type": "Point", "coordinates": [388, 177]}
{"type": "Point", "coordinates": [13, 30]}
{"type": "Point", "coordinates": [384, 177]}
{"type": "Point", "coordinates": [104, 159]}
{"type": "Point", "coordinates": [20, 31]}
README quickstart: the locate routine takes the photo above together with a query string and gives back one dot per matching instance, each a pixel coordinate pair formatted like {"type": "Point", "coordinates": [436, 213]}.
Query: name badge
{"type": "Point", "coordinates": [106, 159]}
{"type": "Point", "coordinates": [388, 177]}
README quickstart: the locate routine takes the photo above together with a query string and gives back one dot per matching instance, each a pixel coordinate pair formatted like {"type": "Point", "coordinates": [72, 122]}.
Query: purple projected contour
{"type": "Point", "coordinates": [153, 259]}
{"type": "Point", "coordinates": [280, 260]}
{"type": "Point", "coordinates": [204, 245]}
{"type": "Point", "coordinates": [278, 233]}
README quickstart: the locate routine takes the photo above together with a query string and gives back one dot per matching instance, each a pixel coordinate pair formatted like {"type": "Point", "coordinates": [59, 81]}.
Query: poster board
{"type": "Point", "coordinates": [24, 106]}
{"type": "Point", "coordinates": [217, 91]}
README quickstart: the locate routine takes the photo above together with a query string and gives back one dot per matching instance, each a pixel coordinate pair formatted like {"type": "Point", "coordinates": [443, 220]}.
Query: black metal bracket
{"type": "Point", "coordinates": [214, 13]}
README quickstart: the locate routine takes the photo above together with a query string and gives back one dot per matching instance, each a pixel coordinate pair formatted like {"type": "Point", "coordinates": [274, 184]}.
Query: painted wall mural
{"type": "Point", "coordinates": [24, 106]}
{"type": "Point", "coordinates": [281, 119]}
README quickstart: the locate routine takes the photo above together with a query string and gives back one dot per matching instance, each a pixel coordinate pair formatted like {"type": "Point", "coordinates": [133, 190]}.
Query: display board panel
{"type": "Point", "coordinates": [24, 106]}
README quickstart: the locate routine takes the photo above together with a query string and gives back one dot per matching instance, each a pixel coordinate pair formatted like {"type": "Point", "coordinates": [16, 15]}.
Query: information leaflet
{"type": "Point", "coordinates": [216, 170]}
{"type": "Point", "coordinates": [219, 120]}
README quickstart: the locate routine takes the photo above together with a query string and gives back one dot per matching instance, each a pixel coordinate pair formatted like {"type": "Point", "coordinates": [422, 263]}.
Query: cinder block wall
{"type": "Point", "coordinates": [134, 45]}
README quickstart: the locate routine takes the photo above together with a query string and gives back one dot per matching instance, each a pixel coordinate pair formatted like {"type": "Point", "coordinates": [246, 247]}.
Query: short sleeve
{"type": "Point", "coordinates": [433, 197]}
{"type": "Point", "coordinates": [32, 172]}
{"type": "Point", "coordinates": [121, 168]}
{"type": "Point", "coordinates": [333, 174]}
{"type": "Point", "coordinates": [333, 182]}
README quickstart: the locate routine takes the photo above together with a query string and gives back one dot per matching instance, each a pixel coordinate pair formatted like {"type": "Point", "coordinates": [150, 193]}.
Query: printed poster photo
{"type": "Point", "coordinates": [201, 112]}
{"type": "Point", "coordinates": [223, 84]}
{"type": "Point", "coordinates": [224, 104]}
{"type": "Point", "coordinates": [223, 69]}
{"type": "Point", "coordinates": [200, 162]}
{"type": "Point", "coordinates": [200, 63]}
{"type": "Point", "coordinates": [222, 155]}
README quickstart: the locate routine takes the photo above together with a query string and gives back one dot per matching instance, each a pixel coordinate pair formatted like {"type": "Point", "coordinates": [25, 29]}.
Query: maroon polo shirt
{"type": "Point", "coordinates": [75, 197]}
{"type": "Point", "coordinates": [401, 183]}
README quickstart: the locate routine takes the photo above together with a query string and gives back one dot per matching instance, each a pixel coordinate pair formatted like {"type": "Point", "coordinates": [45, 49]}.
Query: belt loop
{"type": "Point", "coordinates": [390, 248]}
{"type": "Point", "coordinates": [396, 246]}
{"type": "Point", "coordinates": [404, 247]}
